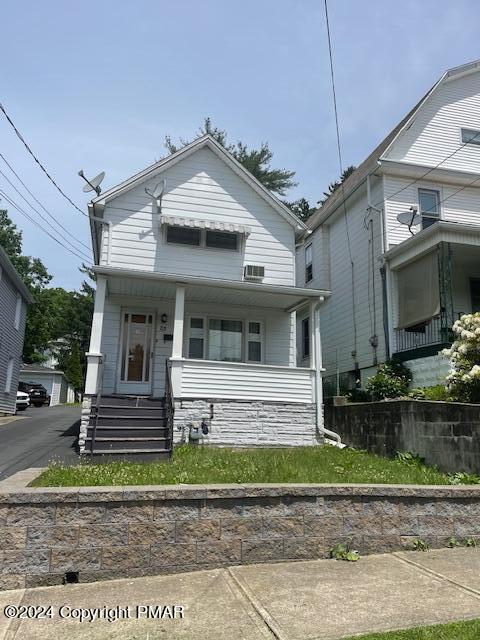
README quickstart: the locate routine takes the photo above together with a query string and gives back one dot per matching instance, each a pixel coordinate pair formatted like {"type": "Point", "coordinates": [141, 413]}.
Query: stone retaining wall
{"type": "Point", "coordinates": [99, 533]}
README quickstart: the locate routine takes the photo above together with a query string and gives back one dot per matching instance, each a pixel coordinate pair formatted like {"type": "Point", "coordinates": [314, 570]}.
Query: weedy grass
{"type": "Point", "coordinates": [204, 465]}
{"type": "Point", "coordinates": [467, 630]}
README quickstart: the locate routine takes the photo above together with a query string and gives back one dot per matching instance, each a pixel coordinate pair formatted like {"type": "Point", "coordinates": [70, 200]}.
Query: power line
{"type": "Point", "coordinates": [36, 223]}
{"type": "Point", "coordinates": [39, 203]}
{"type": "Point", "coordinates": [43, 217]}
{"type": "Point", "coordinates": [339, 150]}
{"type": "Point", "coordinates": [22, 139]}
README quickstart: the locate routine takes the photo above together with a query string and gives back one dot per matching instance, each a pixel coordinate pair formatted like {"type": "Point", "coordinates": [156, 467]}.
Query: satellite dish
{"type": "Point", "coordinates": [157, 193]}
{"type": "Point", "coordinates": [410, 218]}
{"type": "Point", "coordinates": [94, 183]}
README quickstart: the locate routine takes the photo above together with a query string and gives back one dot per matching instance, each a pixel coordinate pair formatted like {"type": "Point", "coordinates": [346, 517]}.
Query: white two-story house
{"type": "Point", "coordinates": [397, 287]}
{"type": "Point", "coordinates": [195, 310]}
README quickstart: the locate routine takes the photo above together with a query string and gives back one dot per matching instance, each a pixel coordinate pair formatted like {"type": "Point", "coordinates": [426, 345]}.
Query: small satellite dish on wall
{"type": "Point", "coordinates": [157, 193]}
{"type": "Point", "coordinates": [410, 218]}
{"type": "Point", "coordinates": [94, 183]}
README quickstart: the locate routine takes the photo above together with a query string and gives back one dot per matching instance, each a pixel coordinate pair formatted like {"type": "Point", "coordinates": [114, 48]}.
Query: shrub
{"type": "Point", "coordinates": [438, 392]}
{"type": "Point", "coordinates": [463, 380]}
{"type": "Point", "coordinates": [391, 381]}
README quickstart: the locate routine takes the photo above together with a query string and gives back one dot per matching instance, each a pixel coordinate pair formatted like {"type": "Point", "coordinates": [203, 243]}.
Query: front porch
{"type": "Point", "coordinates": [227, 348]}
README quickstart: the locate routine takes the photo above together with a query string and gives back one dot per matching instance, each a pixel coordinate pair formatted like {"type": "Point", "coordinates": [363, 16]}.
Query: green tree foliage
{"type": "Point", "coordinates": [59, 320]}
{"type": "Point", "coordinates": [257, 161]}
{"type": "Point", "coordinates": [73, 369]}
{"type": "Point", "coordinates": [301, 208]}
{"type": "Point", "coordinates": [333, 186]}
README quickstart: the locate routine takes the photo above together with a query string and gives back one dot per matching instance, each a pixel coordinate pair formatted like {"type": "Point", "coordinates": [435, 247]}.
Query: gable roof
{"type": "Point", "coordinates": [209, 142]}
{"type": "Point", "coordinates": [14, 276]}
{"type": "Point", "coordinates": [371, 162]}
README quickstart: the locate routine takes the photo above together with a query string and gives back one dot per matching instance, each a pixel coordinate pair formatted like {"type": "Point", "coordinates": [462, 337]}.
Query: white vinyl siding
{"type": "Point", "coordinates": [200, 187]}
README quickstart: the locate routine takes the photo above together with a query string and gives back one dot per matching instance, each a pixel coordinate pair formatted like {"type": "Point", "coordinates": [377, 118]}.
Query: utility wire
{"type": "Point", "coordinates": [339, 150]}
{"type": "Point", "coordinates": [43, 217]}
{"type": "Point", "coordinates": [22, 139]}
{"type": "Point", "coordinates": [40, 204]}
{"type": "Point", "coordinates": [36, 223]}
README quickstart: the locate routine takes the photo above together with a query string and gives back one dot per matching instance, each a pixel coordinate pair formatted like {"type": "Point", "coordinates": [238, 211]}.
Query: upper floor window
{"type": "Point", "coordinates": [429, 201]}
{"type": "Point", "coordinates": [202, 238]}
{"type": "Point", "coordinates": [18, 311]}
{"type": "Point", "coordinates": [470, 136]}
{"type": "Point", "coordinates": [308, 263]}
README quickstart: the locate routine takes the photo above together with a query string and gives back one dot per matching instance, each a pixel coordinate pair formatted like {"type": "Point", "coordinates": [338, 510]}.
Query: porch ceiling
{"type": "Point", "coordinates": [227, 292]}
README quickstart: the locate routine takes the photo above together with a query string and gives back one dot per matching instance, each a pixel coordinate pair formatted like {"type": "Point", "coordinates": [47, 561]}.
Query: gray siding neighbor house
{"type": "Point", "coordinates": [14, 297]}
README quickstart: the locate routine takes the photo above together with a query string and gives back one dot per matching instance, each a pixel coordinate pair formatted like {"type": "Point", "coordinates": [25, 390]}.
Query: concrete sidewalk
{"type": "Point", "coordinates": [289, 601]}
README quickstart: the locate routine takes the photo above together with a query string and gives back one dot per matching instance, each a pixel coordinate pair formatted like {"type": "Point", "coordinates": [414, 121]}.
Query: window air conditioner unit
{"type": "Point", "coordinates": [254, 272]}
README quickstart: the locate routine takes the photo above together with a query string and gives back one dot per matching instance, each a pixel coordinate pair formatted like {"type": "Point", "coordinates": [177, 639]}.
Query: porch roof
{"type": "Point", "coordinates": [133, 282]}
{"type": "Point", "coordinates": [427, 239]}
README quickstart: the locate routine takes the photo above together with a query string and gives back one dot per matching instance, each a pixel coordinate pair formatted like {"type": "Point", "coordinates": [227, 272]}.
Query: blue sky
{"type": "Point", "coordinates": [97, 85]}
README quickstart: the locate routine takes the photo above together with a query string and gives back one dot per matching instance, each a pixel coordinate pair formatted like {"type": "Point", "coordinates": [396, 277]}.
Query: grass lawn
{"type": "Point", "coordinates": [200, 465]}
{"type": "Point", "coordinates": [469, 630]}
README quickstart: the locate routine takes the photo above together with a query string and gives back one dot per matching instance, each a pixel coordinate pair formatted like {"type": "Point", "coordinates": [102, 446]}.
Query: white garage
{"type": "Point", "coordinates": [53, 380]}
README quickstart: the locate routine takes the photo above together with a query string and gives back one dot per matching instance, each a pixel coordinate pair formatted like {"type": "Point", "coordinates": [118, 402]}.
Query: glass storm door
{"type": "Point", "coordinates": [136, 356]}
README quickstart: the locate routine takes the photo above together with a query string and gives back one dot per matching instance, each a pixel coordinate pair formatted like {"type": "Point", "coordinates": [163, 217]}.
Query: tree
{"type": "Point", "coordinates": [73, 368]}
{"type": "Point", "coordinates": [333, 186]}
{"type": "Point", "coordinates": [257, 161]}
{"type": "Point", "coordinates": [301, 208]}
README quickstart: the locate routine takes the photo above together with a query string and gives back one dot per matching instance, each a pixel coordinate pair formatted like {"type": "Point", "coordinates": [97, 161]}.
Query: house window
{"type": "Point", "coordinates": [306, 338]}
{"type": "Point", "coordinates": [184, 235]}
{"type": "Point", "coordinates": [221, 240]}
{"type": "Point", "coordinates": [18, 311]}
{"type": "Point", "coordinates": [429, 201]}
{"type": "Point", "coordinates": [308, 263]}
{"type": "Point", "coordinates": [225, 340]}
{"type": "Point", "coordinates": [8, 383]}
{"type": "Point", "coordinates": [475, 294]}
{"type": "Point", "coordinates": [254, 342]}
{"type": "Point", "coordinates": [470, 136]}
{"type": "Point", "coordinates": [196, 340]}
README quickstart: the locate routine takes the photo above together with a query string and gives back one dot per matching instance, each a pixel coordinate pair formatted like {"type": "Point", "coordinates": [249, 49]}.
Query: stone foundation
{"type": "Point", "coordinates": [241, 423]}
{"type": "Point", "coordinates": [117, 532]}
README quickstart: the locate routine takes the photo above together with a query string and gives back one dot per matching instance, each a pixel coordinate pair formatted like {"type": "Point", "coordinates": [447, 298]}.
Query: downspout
{"type": "Point", "coordinates": [318, 379]}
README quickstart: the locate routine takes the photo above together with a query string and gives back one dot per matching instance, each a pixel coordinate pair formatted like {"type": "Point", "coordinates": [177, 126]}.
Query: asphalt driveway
{"type": "Point", "coordinates": [40, 436]}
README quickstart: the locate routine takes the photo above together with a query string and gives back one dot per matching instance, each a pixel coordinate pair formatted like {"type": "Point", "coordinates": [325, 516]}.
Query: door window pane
{"type": "Point", "coordinates": [196, 338]}
{"type": "Point", "coordinates": [137, 336]}
{"type": "Point", "coordinates": [225, 340]}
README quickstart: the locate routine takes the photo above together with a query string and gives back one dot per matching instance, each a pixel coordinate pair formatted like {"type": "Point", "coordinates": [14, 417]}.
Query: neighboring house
{"type": "Point", "coordinates": [54, 381]}
{"type": "Point", "coordinates": [14, 297]}
{"type": "Point", "coordinates": [196, 299]}
{"type": "Point", "coordinates": [395, 294]}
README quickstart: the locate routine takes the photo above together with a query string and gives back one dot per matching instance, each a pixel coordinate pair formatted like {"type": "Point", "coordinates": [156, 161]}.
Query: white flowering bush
{"type": "Point", "coordinates": [463, 379]}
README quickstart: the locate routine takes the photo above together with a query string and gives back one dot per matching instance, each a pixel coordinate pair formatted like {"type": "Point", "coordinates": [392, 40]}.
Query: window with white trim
{"type": "Point", "coordinates": [183, 235]}
{"type": "Point", "coordinates": [306, 338]}
{"type": "Point", "coordinates": [225, 339]}
{"type": "Point", "coordinates": [205, 238]}
{"type": "Point", "coordinates": [196, 339]}
{"type": "Point", "coordinates": [308, 263]}
{"type": "Point", "coordinates": [470, 136]}
{"type": "Point", "coordinates": [18, 312]}
{"type": "Point", "coordinates": [8, 382]}
{"type": "Point", "coordinates": [254, 342]}
{"type": "Point", "coordinates": [429, 205]}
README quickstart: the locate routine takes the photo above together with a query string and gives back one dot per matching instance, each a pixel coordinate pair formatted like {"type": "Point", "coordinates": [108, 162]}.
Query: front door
{"type": "Point", "coordinates": [136, 354]}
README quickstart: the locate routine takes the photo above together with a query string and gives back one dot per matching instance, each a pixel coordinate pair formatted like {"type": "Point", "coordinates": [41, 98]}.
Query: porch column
{"type": "Point", "coordinates": [178, 322]}
{"type": "Point", "coordinates": [311, 326]}
{"type": "Point", "coordinates": [94, 355]}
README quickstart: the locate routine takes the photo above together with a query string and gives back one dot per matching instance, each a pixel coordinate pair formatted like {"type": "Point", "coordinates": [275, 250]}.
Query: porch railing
{"type": "Point", "coordinates": [169, 406]}
{"type": "Point", "coordinates": [431, 334]}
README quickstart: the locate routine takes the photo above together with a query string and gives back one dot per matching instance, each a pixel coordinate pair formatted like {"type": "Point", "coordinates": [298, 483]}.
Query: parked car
{"type": "Point", "coordinates": [23, 401]}
{"type": "Point", "coordinates": [37, 393]}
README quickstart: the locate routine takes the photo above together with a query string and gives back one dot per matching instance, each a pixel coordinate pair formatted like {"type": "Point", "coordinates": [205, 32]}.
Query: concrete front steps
{"type": "Point", "coordinates": [130, 425]}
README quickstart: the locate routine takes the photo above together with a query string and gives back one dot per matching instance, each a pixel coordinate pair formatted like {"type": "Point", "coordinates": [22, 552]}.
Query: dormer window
{"type": "Point", "coordinates": [429, 201]}
{"type": "Point", "coordinates": [470, 136]}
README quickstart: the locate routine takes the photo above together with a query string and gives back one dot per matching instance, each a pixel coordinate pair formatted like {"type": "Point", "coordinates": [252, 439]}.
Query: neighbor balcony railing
{"type": "Point", "coordinates": [428, 335]}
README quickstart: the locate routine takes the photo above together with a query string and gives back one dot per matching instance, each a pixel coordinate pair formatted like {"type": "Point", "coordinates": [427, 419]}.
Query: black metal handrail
{"type": "Point", "coordinates": [169, 405]}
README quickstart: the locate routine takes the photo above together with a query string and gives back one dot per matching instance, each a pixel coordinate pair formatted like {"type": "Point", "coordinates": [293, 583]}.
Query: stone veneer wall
{"type": "Point", "coordinates": [84, 422]}
{"type": "Point", "coordinates": [134, 531]}
{"type": "Point", "coordinates": [242, 423]}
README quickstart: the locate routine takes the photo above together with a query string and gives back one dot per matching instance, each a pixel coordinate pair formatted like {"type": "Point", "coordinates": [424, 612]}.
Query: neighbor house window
{"type": "Point", "coordinates": [308, 263]}
{"type": "Point", "coordinates": [221, 240]}
{"type": "Point", "coordinates": [196, 338]}
{"type": "Point", "coordinates": [254, 342]}
{"type": "Point", "coordinates": [306, 338]}
{"type": "Point", "coordinates": [202, 238]}
{"type": "Point", "coordinates": [429, 201]}
{"type": "Point", "coordinates": [184, 235]}
{"type": "Point", "coordinates": [470, 136]}
{"type": "Point", "coordinates": [225, 340]}
{"type": "Point", "coordinates": [18, 311]}
{"type": "Point", "coordinates": [8, 382]}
